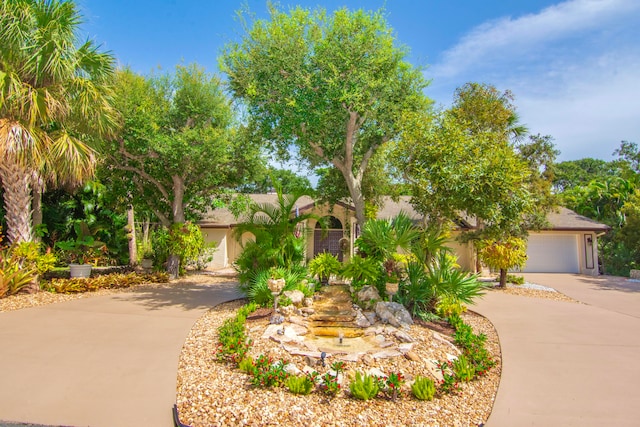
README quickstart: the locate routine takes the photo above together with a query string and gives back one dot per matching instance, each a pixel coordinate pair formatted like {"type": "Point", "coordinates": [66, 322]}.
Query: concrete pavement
{"type": "Point", "coordinates": [568, 364]}
{"type": "Point", "coordinates": [101, 361]}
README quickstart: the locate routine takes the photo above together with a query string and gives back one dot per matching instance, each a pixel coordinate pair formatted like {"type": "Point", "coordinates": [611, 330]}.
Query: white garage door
{"type": "Point", "coordinates": [552, 254]}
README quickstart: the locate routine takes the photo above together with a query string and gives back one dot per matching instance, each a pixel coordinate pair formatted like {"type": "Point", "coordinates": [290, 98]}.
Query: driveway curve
{"type": "Point", "coordinates": [568, 364]}
{"type": "Point", "coordinates": [100, 361]}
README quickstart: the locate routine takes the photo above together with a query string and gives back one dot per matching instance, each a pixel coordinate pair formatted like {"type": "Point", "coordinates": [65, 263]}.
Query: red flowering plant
{"type": "Point", "coordinates": [394, 383]}
{"type": "Point", "coordinates": [330, 385]}
{"type": "Point", "coordinates": [449, 383]}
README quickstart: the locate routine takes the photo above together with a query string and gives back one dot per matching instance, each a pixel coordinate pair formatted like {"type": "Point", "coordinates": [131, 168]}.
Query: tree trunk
{"type": "Point", "coordinates": [173, 263]}
{"type": "Point", "coordinates": [17, 201]}
{"type": "Point", "coordinates": [173, 266]}
{"type": "Point", "coordinates": [38, 189]}
{"type": "Point", "coordinates": [503, 278]}
{"type": "Point", "coordinates": [355, 191]}
{"type": "Point", "coordinates": [133, 245]}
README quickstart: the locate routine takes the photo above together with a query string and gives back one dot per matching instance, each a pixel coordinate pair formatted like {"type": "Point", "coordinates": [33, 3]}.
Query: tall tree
{"type": "Point", "coordinates": [177, 147]}
{"type": "Point", "coordinates": [335, 86]}
{"type": "Point", "coordinates": [54, 97]}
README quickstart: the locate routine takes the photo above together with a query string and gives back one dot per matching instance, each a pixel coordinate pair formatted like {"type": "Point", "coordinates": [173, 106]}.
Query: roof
{"type": "Point", "coordinates": [566, 219]}
{"type": "Point", "coordinates": [223, 218]}
{"type": "Point", "coordinates": [562, 219]}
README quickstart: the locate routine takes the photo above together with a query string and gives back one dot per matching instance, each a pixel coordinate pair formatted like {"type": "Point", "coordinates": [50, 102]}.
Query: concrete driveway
{"type": "Point", "coordinates": [101, 361]}
{"type": "Point", "coordinates": [568, 364]}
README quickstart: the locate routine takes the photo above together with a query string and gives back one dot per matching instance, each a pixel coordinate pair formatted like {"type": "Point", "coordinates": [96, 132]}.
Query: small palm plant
{"type": "Point", "coordinates": [324, 265]}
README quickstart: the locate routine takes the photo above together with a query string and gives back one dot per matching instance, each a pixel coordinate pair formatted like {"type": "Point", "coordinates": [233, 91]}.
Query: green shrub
{"type": "Point", "coordinates": [269, 374]}
{"type": "Point", "coordinates": [299, 384]}
{"type": "Point", "coordinates": [233, 343]}
{"type": "Point", "coordinates": [512, 278]}
{"type": "Point", "coordinates": [363, 271]}
{"type": "Point", "coordinates": [423, 388]}
{"type": "Point", "coordinates": [257, 288]}
{"type": "Point", "coordinates": [247, 365]}
{"type": "Point", "coordinates": [324, 265]}
{"type": "Point", "coordinates": [364, 386]}
{"type": "Point", "coordinates": [463, 369]}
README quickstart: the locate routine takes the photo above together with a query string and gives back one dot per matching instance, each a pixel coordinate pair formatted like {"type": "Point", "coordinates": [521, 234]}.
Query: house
{"type": "Point", "coordinates": [568, 245]}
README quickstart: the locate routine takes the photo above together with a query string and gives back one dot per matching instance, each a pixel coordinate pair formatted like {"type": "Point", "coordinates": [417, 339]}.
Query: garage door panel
{"type": "Point", "coordinates": [552, 254]}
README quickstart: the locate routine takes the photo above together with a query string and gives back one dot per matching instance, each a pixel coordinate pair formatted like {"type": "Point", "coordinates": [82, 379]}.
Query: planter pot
{"type": "Point", "coordinates": [79, 270]}
{"type": "Point", "coordinates": [146, 263]}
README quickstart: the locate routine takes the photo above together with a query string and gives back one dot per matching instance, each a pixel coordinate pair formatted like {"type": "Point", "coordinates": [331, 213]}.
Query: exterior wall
{"type": "Point", "coordinates": [465, 254]}
{"type": "Point", "coordinates": [219, 237]}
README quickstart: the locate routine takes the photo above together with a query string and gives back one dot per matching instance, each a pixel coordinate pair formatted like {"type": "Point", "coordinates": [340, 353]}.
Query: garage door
{"type": "Point", "coordinates": [552, 254]}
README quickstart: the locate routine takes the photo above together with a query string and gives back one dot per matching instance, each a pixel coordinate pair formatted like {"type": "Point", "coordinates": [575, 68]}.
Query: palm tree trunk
{"type": "Point", "coordinates": [17, 201]}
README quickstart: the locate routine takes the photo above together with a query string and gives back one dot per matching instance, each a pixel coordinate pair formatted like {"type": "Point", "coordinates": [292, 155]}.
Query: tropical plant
{"type": "Point", "coordinates": [13, 277]}
{"type": "Point", "coordinates": [364, 386]}
{"type": "Point", "coordinates": [324, 265]}
{"type": "Point", "coordinates": [54, 98]}
{"type": "Point", "coordinates": [425, 286]}
{"type": "Point", "coordinates": [363, 271]}
{"type": "Point", "coordinates": [300, 384]}
{"type": "Point", "coordinates": [423, 388]}
{"type": "Point", "coordinates": [463, 369]}
{"type": "Point", "coordinates": [85, 248]}
{"type": "Point", "coordinates": [277, 237]}
{"type": "Point", "coordinates": [257, 288]}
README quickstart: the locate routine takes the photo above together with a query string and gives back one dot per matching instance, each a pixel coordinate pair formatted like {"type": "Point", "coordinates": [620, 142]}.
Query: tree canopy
{"type": "Point", "coordinates": [177, 147]}
{"type": "Point", "coordinates": [335, 86]}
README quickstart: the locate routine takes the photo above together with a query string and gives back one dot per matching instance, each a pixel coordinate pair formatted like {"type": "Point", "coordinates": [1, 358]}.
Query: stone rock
{"type": "Point", "coordinates": [368, 296]}
{"type": "Point", "coordinates": [361, 320]}
{"type": "Point", "coordinates": [307, 302]}
{"type": "Point", "coordinates": [386, 344]}
{"type": "Point", "coordinates": [405, 347]}
{"type": "Point", "coordinates": [451, 357]}
{"type": "Point", "coordinates": [298, 321]}
{"type": "Point", "coordinates": [276, 319]}
{"type": "Point", "coordinates": [403, 336]}
{"type": "Point", "coordinates": [292, 369]}
{"type": "Point", "coordinates": [311, 346]}
{"type": "Point", "coordinates": [286, 310]}
{"type": "Point", "coordinates": [295, 296]}
{"type": "Point", "coordinates": [386, 354]}
{"type": "Point", "coordinates": [349, 357]}
{"type": "Point", "coordinates": [394, 314]}
{"type": "Point", "coordinates": [371, 316]}
{"type": "Point", "coordinates": [368, 360]}
{"type": "Point", "coordinates": [307, 311]}
{"type": "Point", "coordinates": [413, 356]}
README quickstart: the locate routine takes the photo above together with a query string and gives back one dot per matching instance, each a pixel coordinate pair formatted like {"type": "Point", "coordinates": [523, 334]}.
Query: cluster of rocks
{"type": "Point", "coordinates": [332, 326]}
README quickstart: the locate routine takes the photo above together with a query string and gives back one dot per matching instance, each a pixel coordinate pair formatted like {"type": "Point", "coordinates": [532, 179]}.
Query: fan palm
{"type": "Point", "coordinates": [54, 98]}
{"type": "Point", "coordinates": [277, 240]}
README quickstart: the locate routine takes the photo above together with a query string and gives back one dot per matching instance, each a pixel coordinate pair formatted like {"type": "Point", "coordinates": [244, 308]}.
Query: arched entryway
{"type": "Point", "coordinates": [329, 241]}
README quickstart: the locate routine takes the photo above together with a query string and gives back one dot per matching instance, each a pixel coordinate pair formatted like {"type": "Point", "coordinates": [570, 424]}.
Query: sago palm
{"type": "Point", "coordinates": [54, 98]}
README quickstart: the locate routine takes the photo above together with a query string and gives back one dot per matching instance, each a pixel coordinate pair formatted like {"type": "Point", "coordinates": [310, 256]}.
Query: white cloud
{"type": "Point", "coordinates": [572, 67]}
{"type": "Point", "coordinates": [506, 39]}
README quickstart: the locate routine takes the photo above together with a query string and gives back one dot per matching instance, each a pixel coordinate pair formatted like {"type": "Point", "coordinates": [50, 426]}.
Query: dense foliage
{"type": "Point", "coordinates": [334, 85]}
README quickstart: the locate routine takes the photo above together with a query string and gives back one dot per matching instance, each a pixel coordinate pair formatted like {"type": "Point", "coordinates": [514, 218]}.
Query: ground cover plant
{"type": "Point", "coordinates": [107, 281]}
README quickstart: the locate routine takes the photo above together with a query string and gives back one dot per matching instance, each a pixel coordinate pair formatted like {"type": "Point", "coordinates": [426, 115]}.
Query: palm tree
{"type": "Point", "coordinates": [54, 98]}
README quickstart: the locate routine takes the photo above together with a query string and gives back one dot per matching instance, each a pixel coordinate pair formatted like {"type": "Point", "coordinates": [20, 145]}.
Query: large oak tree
{"type": "Point", "coordinates": [335, 86]}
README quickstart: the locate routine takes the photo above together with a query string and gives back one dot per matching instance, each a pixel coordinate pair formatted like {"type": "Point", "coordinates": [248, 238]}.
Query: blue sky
{"type": "Point", "coordinates": [573, 66]}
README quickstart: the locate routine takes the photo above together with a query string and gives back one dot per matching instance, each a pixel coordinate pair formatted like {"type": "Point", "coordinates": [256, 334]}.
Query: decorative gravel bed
{"type": "Point", "coordinates": [214, 394]}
